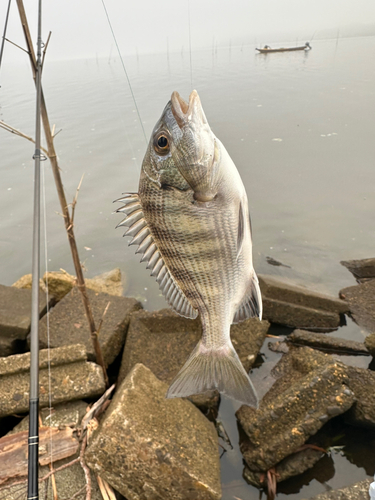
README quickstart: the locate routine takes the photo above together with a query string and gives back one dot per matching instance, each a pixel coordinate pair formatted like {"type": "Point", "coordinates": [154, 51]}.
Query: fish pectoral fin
{"type": "Point", "coordinates": [208, 369]}
{"type": "Point", "coordinates": [137, 227]}
{"type": "Point", "coordinates": [251, 305]}
{"type": "Point", "coordinates": [241, 229]}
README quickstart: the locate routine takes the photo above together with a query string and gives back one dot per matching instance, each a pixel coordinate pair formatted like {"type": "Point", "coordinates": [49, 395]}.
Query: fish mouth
{"type": "Point", "coordinates": [185, 112]}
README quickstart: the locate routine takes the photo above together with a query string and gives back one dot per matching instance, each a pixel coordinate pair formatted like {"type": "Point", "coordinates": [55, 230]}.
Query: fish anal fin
{"type": "Point", "coordinates": [142, 236]}
{"type": "Point", "coordinates": [251, 305]}
{"type": "Point", "coordinates": [208, 369]}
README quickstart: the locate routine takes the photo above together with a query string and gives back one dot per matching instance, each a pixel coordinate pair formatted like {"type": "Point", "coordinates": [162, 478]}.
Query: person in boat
{"type": "Point", "coordinates": [308, 46]}
{"type": "Point", "coordinates": [266, 47]}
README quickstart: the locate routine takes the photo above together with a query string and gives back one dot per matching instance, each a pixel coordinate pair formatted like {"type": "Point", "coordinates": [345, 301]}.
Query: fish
{"type": "Point", "coordinates": [190, 222]}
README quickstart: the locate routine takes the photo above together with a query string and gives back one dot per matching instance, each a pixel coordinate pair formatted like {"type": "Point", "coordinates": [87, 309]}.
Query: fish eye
{"type": "Point", "coordinates": [161, 144]}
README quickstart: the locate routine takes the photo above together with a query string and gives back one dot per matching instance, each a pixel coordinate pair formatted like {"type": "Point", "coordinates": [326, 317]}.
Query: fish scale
{"type": "Point", "coordinates": [190, 222]}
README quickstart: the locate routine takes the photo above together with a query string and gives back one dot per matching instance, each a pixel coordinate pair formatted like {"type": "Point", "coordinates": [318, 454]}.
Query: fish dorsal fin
{"type": "Point", "coordinates": [142, 237]}
{"type": "Point", "coordinates": [251, 304]}
{"type": "Point", "coordinates": [241, 229]}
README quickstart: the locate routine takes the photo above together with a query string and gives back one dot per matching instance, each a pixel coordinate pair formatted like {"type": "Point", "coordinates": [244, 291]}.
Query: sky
{"type": "Point", "coordinates": [80, 28]}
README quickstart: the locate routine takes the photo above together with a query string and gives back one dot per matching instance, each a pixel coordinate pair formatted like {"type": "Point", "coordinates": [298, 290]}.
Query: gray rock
{"type": "Point", "coordinates": [295, 464]}
{"type": "Point", "coordinates": [297, 316]}
{"type": "Point", "coordinates": [163, 340]}
{"type": "Point", "coordinates": [303, 360]}
{"type": "Point", "coordinates": [361, 301]}
{"type": "Point", "coordinates": [278, 289]}
{"type": "Point", "coordinates": [298, 307]}
{"type": "Point", "coordinates": [68, 323]}
{"type": "Point", "coordinates": [282, 425]}
{"type": "Point", "coordinates": [327, 343]}
{"type": "Point", "coordinates": [69, 480]}
{"type": "Point", "coordinates": [357, 491]}
{"type": "Point", "coordinates": [370, 344]}
{"type": "Point", "coordinates": [15, 316]}
{"type": "Point", "coordinates": [151, 447]}
{"type": "Point", "coordinates": [362, 270]}
{"type": "Point", "coordinates": [72, 377]}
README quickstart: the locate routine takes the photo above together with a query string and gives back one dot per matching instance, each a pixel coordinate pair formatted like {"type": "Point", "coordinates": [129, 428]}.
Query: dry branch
{"type": "Point", "coordinates": [61, 194]}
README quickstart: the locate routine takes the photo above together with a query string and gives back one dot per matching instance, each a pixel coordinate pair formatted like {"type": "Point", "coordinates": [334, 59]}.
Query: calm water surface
{"type": "Point", "coordinates": [300, 128]}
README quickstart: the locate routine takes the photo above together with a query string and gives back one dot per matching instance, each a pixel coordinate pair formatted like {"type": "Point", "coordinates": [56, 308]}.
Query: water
{"type": "Point", "coordinates": [299, 127]}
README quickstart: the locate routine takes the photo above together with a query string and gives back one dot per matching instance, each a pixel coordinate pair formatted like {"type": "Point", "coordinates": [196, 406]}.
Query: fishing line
{"type": "Point", "coordinates": [47, 311]}
{"type": "Point", "coordinates": [191, 66]}
{"type": "Point", "coordinates": [126, 73]}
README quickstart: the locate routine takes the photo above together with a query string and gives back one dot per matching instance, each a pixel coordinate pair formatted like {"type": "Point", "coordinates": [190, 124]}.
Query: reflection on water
{"type": "Point", "coordinates": [299, 127]}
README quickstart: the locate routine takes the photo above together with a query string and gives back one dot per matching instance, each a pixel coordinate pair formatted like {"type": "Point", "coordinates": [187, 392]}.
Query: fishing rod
{"type": "Point", "coordinates": [33, 443]}
{"type": "Point", "coordinates": [5, 32]}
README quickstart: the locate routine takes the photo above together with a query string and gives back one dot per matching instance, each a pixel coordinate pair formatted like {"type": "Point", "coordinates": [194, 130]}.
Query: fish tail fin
{"type": "Point", "coordinates": [208, 369]}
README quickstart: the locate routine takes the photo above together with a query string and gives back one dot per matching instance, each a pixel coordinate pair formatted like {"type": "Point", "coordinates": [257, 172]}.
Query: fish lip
{"type": "Point", "coordinates": [183, 111]}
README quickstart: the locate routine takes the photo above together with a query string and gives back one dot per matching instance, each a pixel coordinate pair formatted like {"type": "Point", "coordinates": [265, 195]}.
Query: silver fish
{"type": "Point", "coordinates": [190, 221]}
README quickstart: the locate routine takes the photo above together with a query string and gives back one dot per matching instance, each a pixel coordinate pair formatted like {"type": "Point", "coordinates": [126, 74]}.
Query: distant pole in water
{"type": "Point", "coordinates": [33, 444]}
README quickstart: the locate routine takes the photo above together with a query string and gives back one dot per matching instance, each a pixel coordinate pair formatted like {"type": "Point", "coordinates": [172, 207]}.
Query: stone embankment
{"type": "Point", "coordinates": [146, 447]}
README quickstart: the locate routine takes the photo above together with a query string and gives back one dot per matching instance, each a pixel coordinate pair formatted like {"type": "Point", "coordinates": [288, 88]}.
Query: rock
{"type": "Point", "coordinates": [15, 317]}
{"type": "Point", "coordinates": [361, 301]}
{"type": "Point", "coordinates": [282, 425]}
{"type": "Point", "coordinates": [295, 316]}
{"type": "Point", "coordinates": [302, 360]}
{"type": "Point", "coordinates": [327, 343]}
{"type": "Point", "coordinates": [148, 446]}
{"type": "Point", "coordinates": [370, 344]}
{"type": "Point", "coordinates": [109, 282]}
{"type": "Point", "coordinates": [69, 480]}
{"type": "Point", "coordinates": [68, 323]}
{"type": "Point", "coordinates": [163, 340]}
{"type": "Point", "coordinates": [362, 270]}
{"type": "Point", "coordinates": [59, 283]}
{"type": "Point", "coordinates": [357, 491]}
{"type": "Point", "coordinates": [26, 282]}
{"type": "Point", "coordinates": [278, 289]}
{"type": "Point", "coordinates": [72, 377]}
{"type": "Point", "coordinates": [298, 307]}
{"type": "Point", "coordinates": [362, 383]}
{"type": "Point", "coordinates": [295, 464]}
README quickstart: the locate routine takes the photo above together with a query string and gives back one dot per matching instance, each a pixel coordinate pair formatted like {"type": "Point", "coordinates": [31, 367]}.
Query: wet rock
{"type": "Point", "coordinates": [362, 270]}
{"type": "Point", "coordinates": [69, 480]}
{"type": "Point", "coordinates": [68, 323]}
{"type": "Point", "coordinates": [295, 306]}
{"type": "Point", "coordinates": [357, 491]}
{"type": "Point", "coordinates": [148, 446]}
{"type": "Point", "coordinates": [302, 360]}
{"type": "Point", "coordinates": [278, 289]}
{"type": "Point", "coordinates": [296, 316]}
{"type": "Point", "coordinates": [284, 423]}
{"type": "Point", "coordinates": [327, 343]}
{"type": "Point", "coordinates": [361, 301]}
{"type": "Point", "coordinates": [163, 340]}
{"type": "Point", "coordinates": [15, 317]}
{"type": "Point", "coordinates": [362, 383]}
{"type": "Point", "coordinates": [295, 464]}
{"type": "Point", "coordinates": [370, 344]}
{"type": "Point", "coordinates": [72, 377]}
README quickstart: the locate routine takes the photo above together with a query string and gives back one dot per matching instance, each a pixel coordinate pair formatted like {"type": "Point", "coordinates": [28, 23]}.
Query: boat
{"type": "Point", "coordinates": [266, 49]}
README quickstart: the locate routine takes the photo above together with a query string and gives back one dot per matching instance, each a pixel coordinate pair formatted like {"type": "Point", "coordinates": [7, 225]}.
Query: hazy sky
{"type": "Point", "coordinates": [80, 28]}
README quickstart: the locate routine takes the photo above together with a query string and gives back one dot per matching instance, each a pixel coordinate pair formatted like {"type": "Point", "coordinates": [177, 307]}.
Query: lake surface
{"type": "Point", "coordinates": [300, 128]}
